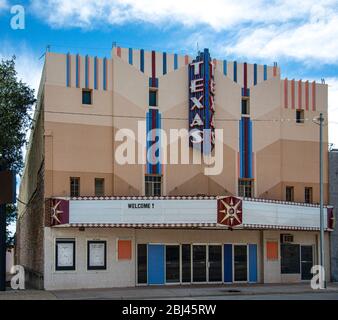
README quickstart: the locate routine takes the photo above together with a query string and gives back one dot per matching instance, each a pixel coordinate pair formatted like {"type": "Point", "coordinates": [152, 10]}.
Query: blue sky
{"type": "Point", "coordinates": [300, 35]}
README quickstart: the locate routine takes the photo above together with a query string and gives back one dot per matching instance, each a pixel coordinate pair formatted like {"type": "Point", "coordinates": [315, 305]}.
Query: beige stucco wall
{"type": "Point", "coordinates": [79, 140]}
{"type": "Point", "coordinates": [123, 273]}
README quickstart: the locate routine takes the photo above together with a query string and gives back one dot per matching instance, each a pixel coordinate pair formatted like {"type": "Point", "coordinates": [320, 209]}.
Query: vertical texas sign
{"type": "Point", "coordinates": [201, 103]}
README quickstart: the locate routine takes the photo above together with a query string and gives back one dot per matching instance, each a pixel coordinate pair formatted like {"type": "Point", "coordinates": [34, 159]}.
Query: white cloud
{"type": "Point", "coordinates": [218, 14]}
{"type": "Point", "coordinates": [333, 110]}
{"type": "Point", "coordinates": [316, 39]}
{"type": "Point", "coordinates": [304, 29]}
{"type": "Point", "coordinates": [3, 5]}
{"type": "Point", "coordinates": [27, 63]}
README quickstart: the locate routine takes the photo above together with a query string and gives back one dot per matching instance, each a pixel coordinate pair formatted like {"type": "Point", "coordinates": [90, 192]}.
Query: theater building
{"type": "Point", "coordinates": [95, 212]}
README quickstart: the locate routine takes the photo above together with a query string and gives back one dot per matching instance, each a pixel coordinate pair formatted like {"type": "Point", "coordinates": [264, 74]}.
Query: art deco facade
{"type": "Point", "coordinates": [91, 221]}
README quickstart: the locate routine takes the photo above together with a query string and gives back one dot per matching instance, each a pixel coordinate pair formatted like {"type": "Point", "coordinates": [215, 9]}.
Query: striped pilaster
{"type": "Point", "coordinates": [175, 61]}
{"type": "Point", "coordinates": [153, 126]}
{"type": "Point", "coordinates": [86, 72]}
{"type": "Point", "coordinates": [68, 68]}
{"type": "Point", "coordinates": [77, 70]}
{"type": "Point", "coordinates": [235, 71]}
{"type": "Point", "coordinates": [225, 68]}
{"type": "Point", "coordinates": [245, 147]}
{"type": "Point", "coordinates": [164, 63]}
{"type": "Point", "coordinates": [95, 73]}
{"type": "Point", "coordinates": [130, 56]}
{"type": "Point", "coordinates": [255, 73]}
{"type": "Point", "coordinates": [104, 73]}
{"type": "Point", "coordinates": [142, 60]}
{"type": "Point", "coordinates": [265, 72]}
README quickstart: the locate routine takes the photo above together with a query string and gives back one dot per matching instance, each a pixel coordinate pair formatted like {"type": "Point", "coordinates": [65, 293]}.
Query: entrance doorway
{"type": "Point", "coordinates": [199, 263]}
{"type": "Point", "coordinates": [215, 263]}
{"type": "Point", "coordinates": [240, 263]}
{"type": "Point", "coordinates": [306, 259]}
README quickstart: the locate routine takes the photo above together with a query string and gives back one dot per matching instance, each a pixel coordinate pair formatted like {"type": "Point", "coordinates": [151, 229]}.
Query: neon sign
{"type": "Point", "coordinates": [201, 102]}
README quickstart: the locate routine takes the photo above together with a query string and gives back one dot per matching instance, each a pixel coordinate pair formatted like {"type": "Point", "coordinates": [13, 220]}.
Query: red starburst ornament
{"type": "Point", "coordinates": [59, 212]}
{"type": "Point", "coordinates": [229, 211]}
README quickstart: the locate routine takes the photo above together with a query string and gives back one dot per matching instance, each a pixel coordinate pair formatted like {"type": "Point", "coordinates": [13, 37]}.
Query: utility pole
{"type": "Point", "coordinates": [322, 256]}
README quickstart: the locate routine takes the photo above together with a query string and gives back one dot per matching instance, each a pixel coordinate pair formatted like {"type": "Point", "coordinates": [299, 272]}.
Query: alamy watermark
{"type": "Point", "coordinates": [171, 147]}
{"type": "Point", "coordinates": [318, 279]}
{"type": "Point", "coordinates": [18, 280]}
{"type": "Point", "coordinates": [17, 21]}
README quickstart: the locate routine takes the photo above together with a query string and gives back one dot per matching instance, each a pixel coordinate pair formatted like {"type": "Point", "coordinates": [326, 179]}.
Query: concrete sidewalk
{"type": "Point", "coordinates": [166, 292]}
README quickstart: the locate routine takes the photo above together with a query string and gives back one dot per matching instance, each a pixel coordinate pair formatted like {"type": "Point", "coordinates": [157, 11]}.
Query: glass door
{"type": "Point", "coordinates": [172, 266]}
{"type": "Point", "coordinates": [306, 262]}
{"type": "Point", "coordinates": [199, 263]}
{"type": "Point", "coordinates": [240, 263]}
{"type": "Point", "coordinates": [186, 263]}
{"type": "Point", "coordinates": [215, 263]}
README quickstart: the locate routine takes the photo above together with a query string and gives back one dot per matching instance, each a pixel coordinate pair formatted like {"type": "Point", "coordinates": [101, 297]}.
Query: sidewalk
{"type": "Point", "coordinates": [163, 292]}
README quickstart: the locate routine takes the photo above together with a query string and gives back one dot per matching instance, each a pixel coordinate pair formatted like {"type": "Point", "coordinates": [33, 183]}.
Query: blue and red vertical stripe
{"type": "Point", "coordinates": [153, 126]}
{"type": "Point", "coordinates": [245, 147]}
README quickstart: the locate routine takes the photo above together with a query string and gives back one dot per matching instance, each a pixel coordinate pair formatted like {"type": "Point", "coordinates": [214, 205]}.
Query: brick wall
{"type": "Point", "coordinates": [30, 236]}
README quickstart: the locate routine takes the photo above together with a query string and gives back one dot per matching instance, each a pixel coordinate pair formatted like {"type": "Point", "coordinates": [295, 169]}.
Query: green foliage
{"type": "Point", "coordinates": [16, 100]}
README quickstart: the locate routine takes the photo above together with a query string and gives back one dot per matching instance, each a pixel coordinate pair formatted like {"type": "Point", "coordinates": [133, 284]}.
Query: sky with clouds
{"type": "Point", "coordinates": [300, 35]}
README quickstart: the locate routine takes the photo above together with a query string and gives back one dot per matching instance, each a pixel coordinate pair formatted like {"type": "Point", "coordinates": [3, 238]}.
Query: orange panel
{"type": "Point", "coordinates": [272, 250]}
{"type": "Point", "coordinates": [124, 249]}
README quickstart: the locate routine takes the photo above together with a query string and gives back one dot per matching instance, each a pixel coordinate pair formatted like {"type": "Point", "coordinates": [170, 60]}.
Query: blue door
{"type": "Point", "coordinates": [228, 263]}
{"type": "Point", "coordinates": [155, 264]}
{"type": "Point", "coordinates": [252, 262]}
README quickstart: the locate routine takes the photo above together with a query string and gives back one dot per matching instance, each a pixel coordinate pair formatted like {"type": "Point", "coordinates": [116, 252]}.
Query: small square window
{"type": "Point", "coordinates": [308, 195]}
{"type": "Point", "coordinates": [299, 116]}
{"type": "Point", "coordinates": [289, 194]}
{"type": "Point", "coordinates": [86, 97]}
{"type": "Point", "coordinates": [245, 106]}
{"type": "Point", "coordinates": [153, 98]}
{"type": "Point", "coordinates": [74, 187]}
{"type": "Point", "coordinates": [245, 188]}
{"type": "Point", "coordinates": [153, 185]}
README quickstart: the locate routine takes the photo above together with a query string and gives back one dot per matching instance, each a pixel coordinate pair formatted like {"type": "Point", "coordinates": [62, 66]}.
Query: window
{"type": "Point", "coordinates": [172, 263]}
{"type": "Point", "coordinates": [290, 258]}
{"type": "Point", "coordinates": [299, 116]}
{"type": "Point", "coordinates": [86, 96]}
{"type": "Point", "coordinates": [289, 194]}
{"type": "Point", "coordinates": [308, 195]}
{"type": "Point", "coordinates": [124, 249]}
{"type": "Point", "coordinates": [65, 254]}
{"type": "Point", "coordinates": [99, 187]}
{"type": "Point", "coordinates": [186, 262]}
{"type": "Point", "coordinates": [142, 259]}
{"type": "Point", "coordinates": [74, 187]}
{"type": "Point", "coordinates": [153, 98]}
{"type": "Point", "coordinates": [153, 185]}
{"type": "Point", "coordinates": [245, 188]}
{"type": "Point", "coordinates": [97, 255]}
{"type": "Point", "coordinates": [245, 106]}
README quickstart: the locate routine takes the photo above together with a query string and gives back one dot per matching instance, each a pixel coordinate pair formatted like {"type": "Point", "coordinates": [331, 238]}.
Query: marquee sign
{"type": "Point", "coordinates": [201, 102]}
{"type": "Point", "coordinates": [229, 211]}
